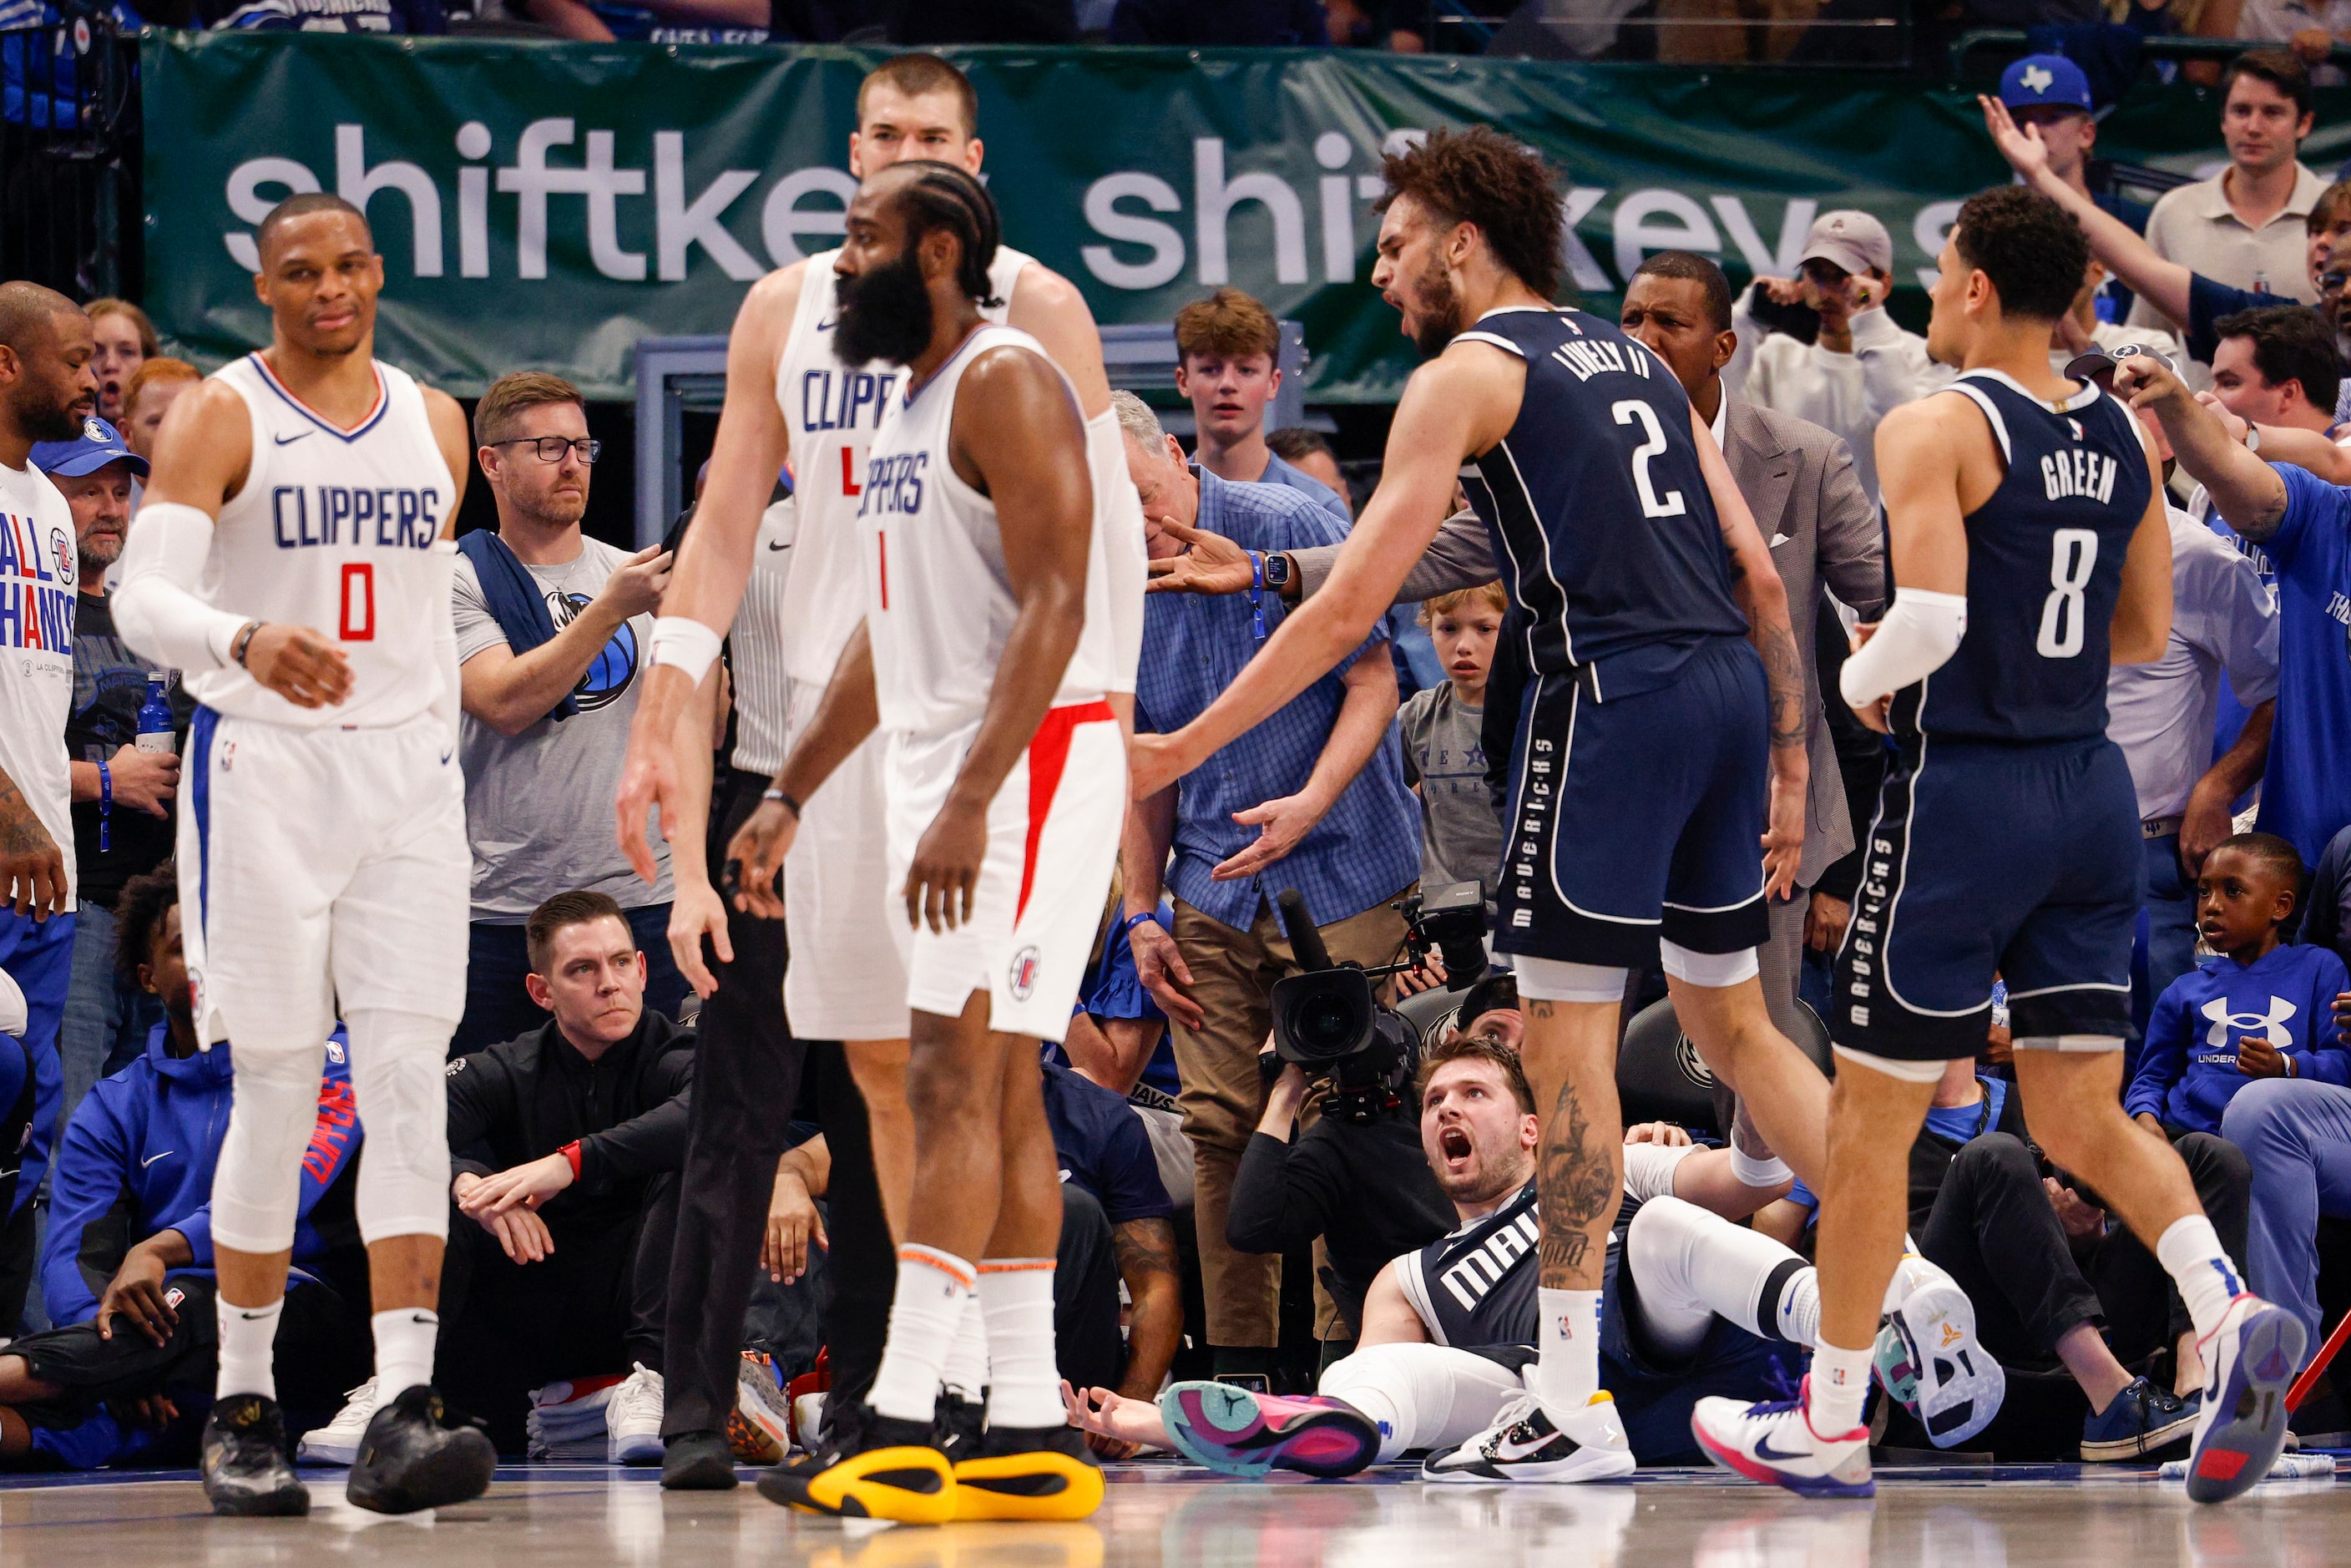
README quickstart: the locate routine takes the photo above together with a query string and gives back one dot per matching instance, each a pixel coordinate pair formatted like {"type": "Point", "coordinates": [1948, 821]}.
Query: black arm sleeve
{"type": "Point", "coordinates": [1284, 1195]}
{"type": "Point", "coordinates": [648, 1143]}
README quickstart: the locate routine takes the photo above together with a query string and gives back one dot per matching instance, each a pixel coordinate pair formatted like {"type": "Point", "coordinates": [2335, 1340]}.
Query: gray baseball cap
{"type": "Point", "coordinates": [1850, 239]}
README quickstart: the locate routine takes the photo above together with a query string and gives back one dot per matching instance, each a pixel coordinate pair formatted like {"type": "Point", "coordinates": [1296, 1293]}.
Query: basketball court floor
{"type": "Point", "coordinates": [1165, 1515]}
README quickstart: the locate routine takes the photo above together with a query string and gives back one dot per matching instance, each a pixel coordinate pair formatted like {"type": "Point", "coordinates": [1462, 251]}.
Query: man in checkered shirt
{"type": "Point", "coordinates": [1311, 799]}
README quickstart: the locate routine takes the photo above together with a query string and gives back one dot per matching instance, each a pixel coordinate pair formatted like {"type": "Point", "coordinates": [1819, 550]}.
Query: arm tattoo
{"type": "Point", "coordinates": [21, 832]}
{"type": "Point", "coordinates": [1783, 675]}
{"type": "Point", "coordinates": [1143, 1246]}
{"type": "Point", "coordinates": [1582, 1177]}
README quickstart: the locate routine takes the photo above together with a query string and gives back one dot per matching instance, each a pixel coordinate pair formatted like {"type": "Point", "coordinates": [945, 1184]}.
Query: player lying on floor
{"type": "Point", "coordinates": [128, 1259]}
{"type": "Point", "coordinates": [1693, 1304]}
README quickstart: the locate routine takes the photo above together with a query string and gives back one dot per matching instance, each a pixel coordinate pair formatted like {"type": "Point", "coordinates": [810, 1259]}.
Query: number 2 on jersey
{"type": "Point", "coordinates": [358, 602]}
{"type": "Point", "coordinates": [2072, 553]}
{"type": "Point", "coordinates": [1632, 411]}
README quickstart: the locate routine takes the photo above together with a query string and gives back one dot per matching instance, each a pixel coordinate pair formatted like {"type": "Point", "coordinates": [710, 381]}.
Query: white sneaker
{"type": "Point", "coordinates": [1774, 1442]}
{"type": "Point", "coordinates": [337, 1442]}
{"type": "Point", "coordinates": [2251, 1357]}
{"type": "Point", "coordinates": [1523, 1444]}
{"type": "Point", "coordinates": [1942, 1373]}
{"type": "Point", "coordinates": [632, 1421]}
{"type": "Point", "coordinates": [759, 1429]}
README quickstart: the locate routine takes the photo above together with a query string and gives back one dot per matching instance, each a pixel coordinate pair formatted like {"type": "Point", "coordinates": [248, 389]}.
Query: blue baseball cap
{"type": "Point", "coordinates": [98, 444]}
{"type": "Point", "coordinates": [2039, 80]}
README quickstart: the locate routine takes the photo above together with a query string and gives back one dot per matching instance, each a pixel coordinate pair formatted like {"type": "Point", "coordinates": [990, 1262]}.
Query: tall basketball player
{"type": "Point", "coordinates": [294, 558]}
{"type": "Point", "coordinates": [1639, 807]}
{"type": "Point", "coordinates": [2030, 552]}
{"type": "Point", "coordinates": [791, 400]}
{"type": "Point", "coordinates": [984, 661]}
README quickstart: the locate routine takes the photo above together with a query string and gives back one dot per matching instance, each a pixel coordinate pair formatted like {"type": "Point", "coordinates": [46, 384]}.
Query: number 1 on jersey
{"type": "Point", "coordinates": [358, 597]}
{"type": "Point", "coordinates": [1632, 411]}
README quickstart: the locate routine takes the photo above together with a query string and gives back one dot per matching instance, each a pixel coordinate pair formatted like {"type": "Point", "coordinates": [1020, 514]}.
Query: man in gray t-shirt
{"type": "Point", "coordinates": [539, 788]}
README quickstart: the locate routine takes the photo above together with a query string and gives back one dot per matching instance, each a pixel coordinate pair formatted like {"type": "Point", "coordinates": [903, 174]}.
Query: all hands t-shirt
{"type": "Point", "coordinates": [37, 591]}
{"type": "Point", "coordinates": [538, 805]}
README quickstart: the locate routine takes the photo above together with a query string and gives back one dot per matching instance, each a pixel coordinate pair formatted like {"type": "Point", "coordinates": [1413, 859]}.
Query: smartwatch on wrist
{"type": "Point", "coordinates": [1276, 571]}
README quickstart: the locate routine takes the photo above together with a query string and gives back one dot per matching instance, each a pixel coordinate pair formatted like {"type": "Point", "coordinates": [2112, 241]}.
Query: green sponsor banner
{"type": "Point", "coordinates": [546, 206]}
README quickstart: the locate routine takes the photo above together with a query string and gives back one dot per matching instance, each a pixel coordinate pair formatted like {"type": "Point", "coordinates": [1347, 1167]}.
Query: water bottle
{"type": "Point", "coordinates": [155, 732]}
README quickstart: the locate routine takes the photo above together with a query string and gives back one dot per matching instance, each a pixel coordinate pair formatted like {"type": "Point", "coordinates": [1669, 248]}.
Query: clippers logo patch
{"type": "Point", "coordinates": [1022, 980]}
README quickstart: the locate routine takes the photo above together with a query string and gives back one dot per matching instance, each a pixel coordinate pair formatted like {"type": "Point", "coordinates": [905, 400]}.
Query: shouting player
{"type": "Point", "coordinates": [2030, 551]}
{"type": "Point", "coordinates": [1446, 1331]}
{"type": "Point", "coordinates": [792, 399]}
{"type": "Point", "coordinates": [1640, 795]}
{"type": "Point", "coordinates": [294, 558]}
{"type": "Point", "coordinates": [984, 659]}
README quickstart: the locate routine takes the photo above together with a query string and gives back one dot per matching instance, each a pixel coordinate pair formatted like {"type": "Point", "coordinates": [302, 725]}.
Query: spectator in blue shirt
{"type": "Point", "coordinates": [1313, 798]}
{"type": "Point", "coordinates": [2259, 1009]}
{"type": "Point", "coordinates": [2303, 525]}
{"type": "Point", "coordinates": [128, 1259]}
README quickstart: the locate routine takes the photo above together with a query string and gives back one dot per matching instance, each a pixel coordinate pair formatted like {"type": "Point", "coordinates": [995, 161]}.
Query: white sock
{"type": "Point", "coordinates": [1796, 1316]}
{"type": "Point", "coordinates": [2191, 1249]}
{"type": "Point", "coordinates": [1024, 1385]}
{"type": "Point", "coordinates": [934, 1292]}
{"type": "Point", "coordinates": [248, 1345]}
{"type": "Point", "coordinates": [1840, 1382]}
{"type": "Point", "coordinates": [1567, 1373]}
{"type": "Point", "coordinates": [966, 1373]}
{"type": "Point", "coordinates": [404, 1339]}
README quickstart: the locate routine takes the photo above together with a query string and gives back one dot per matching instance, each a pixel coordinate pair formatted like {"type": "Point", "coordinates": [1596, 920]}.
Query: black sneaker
{"type": "Point", "coordinates": [869, 1466]}
{"type": "Point", "coordinates": [418, 1454]}
{"type": "Point", "coordinates": [697, 1461]}
{"type": "Point", "coordinates": [246, 1472]}
{"type": "Point", "coordinates": [2141, 1419]}
{"type": "Point", "coordinates": [961, 1424]}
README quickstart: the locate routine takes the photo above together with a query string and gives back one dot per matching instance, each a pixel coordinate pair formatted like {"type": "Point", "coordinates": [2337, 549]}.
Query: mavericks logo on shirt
{"type": "Point", "coordinates": [611, 670]}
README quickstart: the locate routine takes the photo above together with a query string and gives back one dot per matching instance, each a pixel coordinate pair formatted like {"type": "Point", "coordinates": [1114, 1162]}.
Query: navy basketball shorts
{"type": "Point", "coordinates": [1639, 816]}
{"type": "Point", "coordinates": [2022, 862]}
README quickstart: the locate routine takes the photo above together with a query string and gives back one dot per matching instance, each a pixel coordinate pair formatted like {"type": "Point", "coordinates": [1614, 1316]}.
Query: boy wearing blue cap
{"type": "Point", "coordinates": [123, 821]}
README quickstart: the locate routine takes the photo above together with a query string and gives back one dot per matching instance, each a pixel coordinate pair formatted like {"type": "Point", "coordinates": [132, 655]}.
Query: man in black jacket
{"type": "Point", "coordinates": [565, 1146]}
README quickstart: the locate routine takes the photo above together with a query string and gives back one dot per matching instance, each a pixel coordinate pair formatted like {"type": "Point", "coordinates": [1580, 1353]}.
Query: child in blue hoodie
{"type": "Point", "coordinates": [2259, 1009]}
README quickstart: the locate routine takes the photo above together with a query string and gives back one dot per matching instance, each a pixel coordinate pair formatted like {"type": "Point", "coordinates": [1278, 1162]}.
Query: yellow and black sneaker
{"type": "Point", "coordinates": [1028, 1472]}
{"type": "Point", "coordinates": [874, 1466]}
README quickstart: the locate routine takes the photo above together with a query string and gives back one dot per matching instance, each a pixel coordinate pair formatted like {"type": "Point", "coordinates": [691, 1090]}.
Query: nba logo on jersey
{"type": "Point", "coordinates": [1022, 979]}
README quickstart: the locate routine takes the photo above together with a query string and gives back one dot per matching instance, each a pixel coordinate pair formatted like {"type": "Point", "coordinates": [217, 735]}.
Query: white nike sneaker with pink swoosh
{"type": "Point", "coordinates": [1774, 1442]}
{"type": "Point", "coordinates": [1523, 1444]}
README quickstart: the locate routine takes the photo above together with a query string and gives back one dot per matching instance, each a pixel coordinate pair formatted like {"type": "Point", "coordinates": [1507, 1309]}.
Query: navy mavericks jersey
{"type": "Point", "coordinates": [1477, 1286]}
{"type": "Point", "coordinates": [2044, 571]}
{"type": "Point", "coordinates": [1596, 504]}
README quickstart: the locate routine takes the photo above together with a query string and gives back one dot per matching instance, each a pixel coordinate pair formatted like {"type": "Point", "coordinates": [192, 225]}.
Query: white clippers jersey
{"type": "Point", "coordinates": [938, 600]}
{"type": "Point", "coordinates": [334, 530]}
{"type": "Point", "coordinates": [832, 411]}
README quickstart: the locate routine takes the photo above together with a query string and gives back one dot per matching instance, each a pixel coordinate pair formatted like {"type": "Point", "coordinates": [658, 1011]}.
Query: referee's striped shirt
{"type": "Point", "coordinates": [755, 647]}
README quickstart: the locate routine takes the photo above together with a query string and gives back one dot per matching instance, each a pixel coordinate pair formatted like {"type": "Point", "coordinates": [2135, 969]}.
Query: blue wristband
{"type": "Point", "coordinates": [105, 808]}
{"type": "Point", "coordinates": [1127, 926]}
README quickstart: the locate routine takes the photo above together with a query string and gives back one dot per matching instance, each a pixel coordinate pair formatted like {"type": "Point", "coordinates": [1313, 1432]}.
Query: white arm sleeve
{"type": "Point", "coordinates": [156, 608]}
{"type": "Point", "coordinates": [449, 707]}
{"type": "Point", "coordinates": [1649, 1169]}
{"type": "Point", "coordinates": [1919, 635]}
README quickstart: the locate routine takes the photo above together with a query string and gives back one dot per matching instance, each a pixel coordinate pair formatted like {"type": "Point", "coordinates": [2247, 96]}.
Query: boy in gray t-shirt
{"type": "Point", "coordinates": [1443, 760]}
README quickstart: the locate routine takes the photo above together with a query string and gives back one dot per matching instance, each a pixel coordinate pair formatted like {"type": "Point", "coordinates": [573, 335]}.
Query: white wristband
{"type": "Point", "coordinates": [1919, 634]}
{"type": "Point", "coordinates": [685, 643]}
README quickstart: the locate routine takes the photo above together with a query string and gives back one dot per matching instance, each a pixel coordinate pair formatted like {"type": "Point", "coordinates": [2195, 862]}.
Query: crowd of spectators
{"type": "Point", "coordinates": [1211, 1191]}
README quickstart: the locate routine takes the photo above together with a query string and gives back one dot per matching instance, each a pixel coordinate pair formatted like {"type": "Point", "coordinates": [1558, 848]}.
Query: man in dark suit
{"type": "Point", "coordinates": [1798, 481]}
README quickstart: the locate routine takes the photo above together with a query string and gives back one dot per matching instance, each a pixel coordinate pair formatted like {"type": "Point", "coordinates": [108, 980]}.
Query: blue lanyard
{"type": "Point", "coordinates": [1257, 594]}
{"type": "Point", "coordinates": [105, 808]}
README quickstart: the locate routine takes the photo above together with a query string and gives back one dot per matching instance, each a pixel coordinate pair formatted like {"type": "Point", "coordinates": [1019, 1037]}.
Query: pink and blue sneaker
{"type": "Point", "coordinates": [2251, 1359]}
{"type": "Point", "coordinates": [1236, 1432]}
{"type": "Point", "coordinates": [1775, 1443]}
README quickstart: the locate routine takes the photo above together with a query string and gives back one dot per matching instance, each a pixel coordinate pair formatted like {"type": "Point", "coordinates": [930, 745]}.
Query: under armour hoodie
{"type": "Point", "coordinates": [2188, 1071]}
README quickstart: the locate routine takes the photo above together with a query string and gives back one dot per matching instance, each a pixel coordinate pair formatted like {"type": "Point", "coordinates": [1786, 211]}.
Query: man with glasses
{"type": "Point", "coordinates": [1859, 365]}
{"type": "Point", "coordinates": [552, 629]}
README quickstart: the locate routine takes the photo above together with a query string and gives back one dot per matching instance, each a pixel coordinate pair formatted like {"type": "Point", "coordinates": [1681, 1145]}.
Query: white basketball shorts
{"type": "Point", "coordinates": [1052, 838]}
{"type": "Point", "coordinates": [321, 871]}
{"type": "Point", "coordinates": [847, 979]}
